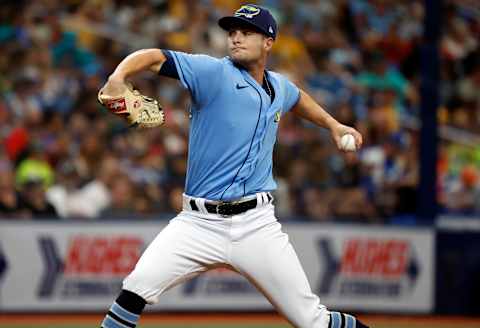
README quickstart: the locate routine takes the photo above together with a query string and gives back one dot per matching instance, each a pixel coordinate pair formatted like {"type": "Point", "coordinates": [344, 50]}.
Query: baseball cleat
{"type": "Point", "coordinates": [344, 320]}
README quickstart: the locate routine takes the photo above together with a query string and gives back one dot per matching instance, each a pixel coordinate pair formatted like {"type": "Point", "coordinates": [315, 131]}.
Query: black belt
{"type": "Point", "coordinates": [229, 208]}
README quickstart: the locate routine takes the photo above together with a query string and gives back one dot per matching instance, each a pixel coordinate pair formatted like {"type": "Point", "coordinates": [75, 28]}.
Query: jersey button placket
{"type": "Point", "coordinates": [250, 162]}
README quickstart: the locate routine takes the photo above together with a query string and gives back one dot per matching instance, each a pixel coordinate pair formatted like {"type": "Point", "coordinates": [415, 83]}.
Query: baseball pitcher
{"type": "Point", "coordinates": [228, 215]}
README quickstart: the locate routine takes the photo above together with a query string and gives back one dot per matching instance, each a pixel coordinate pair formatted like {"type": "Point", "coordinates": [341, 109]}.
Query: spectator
{"type": "Point", "coordinates": [10, 204]}
{"type": "Point", "coordinates": [71, 199]}
{"type": "Point", "coordinates": [123, 194]}
{"type": "Point", "coordinates": [33, 197]}
{"type": "Point", "coordinates": [35, 167]}
{"type": "Point", "coordinates": [359, 58]}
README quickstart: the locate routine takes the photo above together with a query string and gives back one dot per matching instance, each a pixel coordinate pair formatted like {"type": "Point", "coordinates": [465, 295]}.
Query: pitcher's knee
{"type": "Point", "coordinates": [142, 284]}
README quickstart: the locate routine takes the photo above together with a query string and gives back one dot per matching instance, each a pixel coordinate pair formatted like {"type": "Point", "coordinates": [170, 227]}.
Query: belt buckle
{"type": "Point", "coordinates": [221, 204]}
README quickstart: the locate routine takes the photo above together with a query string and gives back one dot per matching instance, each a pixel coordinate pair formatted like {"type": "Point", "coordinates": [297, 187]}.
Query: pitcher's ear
{"type": "Point", "coordinates": [268, 43]}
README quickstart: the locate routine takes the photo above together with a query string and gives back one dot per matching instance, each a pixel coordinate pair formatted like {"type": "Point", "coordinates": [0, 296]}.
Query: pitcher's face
{"type": "Point", "coordinates": [247, 45]}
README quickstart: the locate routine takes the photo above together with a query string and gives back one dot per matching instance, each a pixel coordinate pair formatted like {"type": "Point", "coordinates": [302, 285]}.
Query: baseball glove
{"type": "Point", "coordinates": [140, 111]}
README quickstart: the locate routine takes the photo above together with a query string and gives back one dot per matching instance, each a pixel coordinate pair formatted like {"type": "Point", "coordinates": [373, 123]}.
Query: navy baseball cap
{"type": "Point", "coordinates": [253, 16]}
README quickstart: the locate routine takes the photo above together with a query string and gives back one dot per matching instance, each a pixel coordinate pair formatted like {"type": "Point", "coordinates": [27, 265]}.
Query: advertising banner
{"type": "Point", "coordinates": [60, 266]}
{"type": "Point", "coordinates": [369, 268]}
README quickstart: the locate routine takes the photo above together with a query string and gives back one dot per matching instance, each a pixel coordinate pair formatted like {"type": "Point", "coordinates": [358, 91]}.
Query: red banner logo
{"type": "Point", "coordinates": [374, 257]}
{"type": "Point", "coordinates": [110, 256]}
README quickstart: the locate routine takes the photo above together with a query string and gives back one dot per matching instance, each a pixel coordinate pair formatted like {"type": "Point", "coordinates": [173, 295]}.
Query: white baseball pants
{"type": "Point", "coordinates": [251, 243]}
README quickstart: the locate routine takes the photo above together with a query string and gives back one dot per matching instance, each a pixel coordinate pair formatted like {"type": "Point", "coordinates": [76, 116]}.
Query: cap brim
{"type": "Point", "coordinates": [229, 22]}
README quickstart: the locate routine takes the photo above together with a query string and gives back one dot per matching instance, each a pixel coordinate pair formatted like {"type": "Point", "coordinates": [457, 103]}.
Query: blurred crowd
{"type": "Point", "coordinates": [62, 155]}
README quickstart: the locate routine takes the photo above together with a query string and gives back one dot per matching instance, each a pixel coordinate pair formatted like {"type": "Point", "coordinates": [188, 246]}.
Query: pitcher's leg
{"type": "Point", "coordinates": [269, 261]}
{"type": "Point", "coordinates": [182, 250]}
{"type": "Point", "coordinates": [179, 252]}
{"type": "Point", "coordinates": [277, 272]}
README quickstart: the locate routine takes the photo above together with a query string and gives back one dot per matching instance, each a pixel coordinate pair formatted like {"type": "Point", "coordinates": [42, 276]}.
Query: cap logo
{"type": "Point", "coordinates": [247, 11]}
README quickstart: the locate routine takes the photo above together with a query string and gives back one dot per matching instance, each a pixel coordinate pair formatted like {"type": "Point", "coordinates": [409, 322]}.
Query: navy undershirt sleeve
{"type": "Point", "coordinates": [168, 68]}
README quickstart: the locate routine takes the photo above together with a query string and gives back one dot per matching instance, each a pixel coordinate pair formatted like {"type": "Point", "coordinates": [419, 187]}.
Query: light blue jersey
{"type": "Point", "coordinates": [233, 126]}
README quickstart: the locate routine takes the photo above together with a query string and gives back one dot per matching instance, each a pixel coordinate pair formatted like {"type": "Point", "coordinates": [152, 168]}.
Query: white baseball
{"type": "Point", "coordinates": [347, 142]}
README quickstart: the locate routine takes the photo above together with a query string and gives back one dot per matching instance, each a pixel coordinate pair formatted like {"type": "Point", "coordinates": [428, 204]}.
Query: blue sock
{"type": "Point", "coordinates": [125, 311]}
{"type": "Point", "coordinates": [344, 320]}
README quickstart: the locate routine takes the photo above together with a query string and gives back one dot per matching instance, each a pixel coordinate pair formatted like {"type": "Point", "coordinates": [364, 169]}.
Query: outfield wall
{"type": "Point", "coordinates": [458, 266]}
{"type": "Point", "coordinates": [68, 266]}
